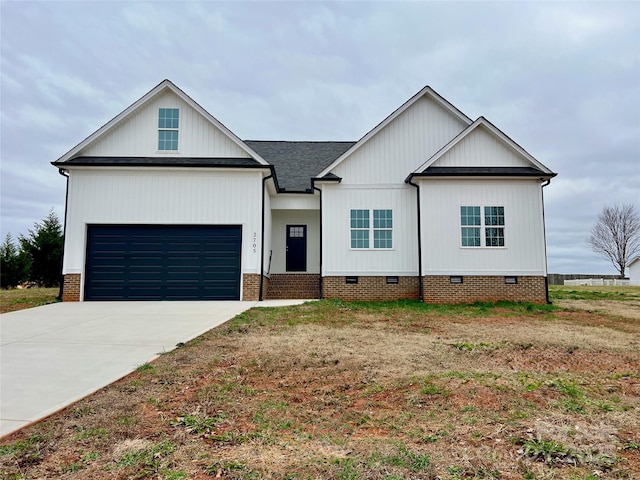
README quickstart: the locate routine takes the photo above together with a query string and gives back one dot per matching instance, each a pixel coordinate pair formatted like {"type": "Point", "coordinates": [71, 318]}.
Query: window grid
{"type": "Point", "coordinates": [359, 228]}
{"type": "Point", "coordinates": [472, 223]}
{"type": "Point", "coordinates": [168, 124]}
{"type": "Point", "coordinates": [363, 230]}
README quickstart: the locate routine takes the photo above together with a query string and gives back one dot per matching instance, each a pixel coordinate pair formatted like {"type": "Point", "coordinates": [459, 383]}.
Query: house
{"type": "Point", "coordinates": [164, 202]}
{"type": "Point", "coordinates": [634, 271]}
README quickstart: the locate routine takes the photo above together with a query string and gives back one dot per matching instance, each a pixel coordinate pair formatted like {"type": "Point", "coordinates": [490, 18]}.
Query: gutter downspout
{"type": "Point", "coordinates": [264, 185]}
{"type": "Point", "coordinates": [64, 234]}
{"type": "Point", "coordinates": [420, 288]}
{"type": "Point", "coordinates": [544, 237]}
{"type": "Point", "coordinates": [319, 190]}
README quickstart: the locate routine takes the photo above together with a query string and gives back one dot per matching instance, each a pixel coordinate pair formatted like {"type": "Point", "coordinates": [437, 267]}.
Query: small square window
{"type": "Point", "coordinates": [392, 280]}
{"type": "Point", "coordinates": [511, 280]}
{"type": "Point", "coordinates": [455, 279]}
{"type": "Point", "coordinates": [351, 280]}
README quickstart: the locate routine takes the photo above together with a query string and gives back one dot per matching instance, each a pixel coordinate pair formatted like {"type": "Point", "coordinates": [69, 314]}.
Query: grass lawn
{"type": "Point", "coordinates": [336, 390]}
{"type": "Point", "coordinates": [19, 299]}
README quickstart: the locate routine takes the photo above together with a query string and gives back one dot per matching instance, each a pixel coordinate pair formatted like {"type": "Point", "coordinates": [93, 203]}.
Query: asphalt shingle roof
{"type": "Point", "coordinates": [296, 163]}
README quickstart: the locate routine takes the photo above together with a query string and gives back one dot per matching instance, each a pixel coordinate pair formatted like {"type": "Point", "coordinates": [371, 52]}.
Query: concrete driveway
{"type": "Point", "coordinates": [53, 355]}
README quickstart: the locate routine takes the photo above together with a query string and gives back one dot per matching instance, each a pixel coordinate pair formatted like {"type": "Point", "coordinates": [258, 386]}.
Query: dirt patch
{"type": "Point", "coordinates": [333, 390]}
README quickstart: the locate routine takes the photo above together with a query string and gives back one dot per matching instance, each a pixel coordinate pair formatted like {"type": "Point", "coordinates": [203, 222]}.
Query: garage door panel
{"type": "Point", "coordinates": [153, 262]}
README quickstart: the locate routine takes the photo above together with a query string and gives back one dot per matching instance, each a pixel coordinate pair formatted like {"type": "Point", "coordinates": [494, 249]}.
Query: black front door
{"type": "Point", "coordinates": [296, 248]}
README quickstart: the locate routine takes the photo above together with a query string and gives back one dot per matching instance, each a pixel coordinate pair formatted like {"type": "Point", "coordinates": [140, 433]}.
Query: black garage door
{"type": "Point", "coordinates": [163, 262]}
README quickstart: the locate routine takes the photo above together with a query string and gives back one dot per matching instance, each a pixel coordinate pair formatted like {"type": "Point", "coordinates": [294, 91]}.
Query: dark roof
{"type": "Point", "coordinates": [160, 161]}
{"type": "Point", "coordinates": [297, 162]}
{"type": "Point", "coordinates": [483, 172]}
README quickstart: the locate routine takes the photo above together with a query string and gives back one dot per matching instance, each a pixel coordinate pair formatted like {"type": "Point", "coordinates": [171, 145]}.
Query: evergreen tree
{"type": "Point", "coordinates": [43, 247]}
{"type": "Point", "coordinates": [14, 264]}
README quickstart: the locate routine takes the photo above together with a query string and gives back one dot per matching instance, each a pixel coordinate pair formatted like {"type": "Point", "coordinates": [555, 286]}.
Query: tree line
{"type": "Point", "coordinates": [35, 258]}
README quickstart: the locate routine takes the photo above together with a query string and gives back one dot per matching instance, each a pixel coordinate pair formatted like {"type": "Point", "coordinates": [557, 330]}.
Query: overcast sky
{"type": "Point", "coordinates": [562, 79]}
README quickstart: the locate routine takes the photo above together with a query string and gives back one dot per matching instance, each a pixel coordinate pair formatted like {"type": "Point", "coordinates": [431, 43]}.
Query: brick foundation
{"type": "Point", "coordinates": [250, 286]}
{"type": "Point", "coordinates": [439, 289]}
{"type": "Point", "coordinates": [71, 287]}
{"type": "Point", "coordinates": [370, 288]}
{"type": "Point", "coordinates": [293, 285]}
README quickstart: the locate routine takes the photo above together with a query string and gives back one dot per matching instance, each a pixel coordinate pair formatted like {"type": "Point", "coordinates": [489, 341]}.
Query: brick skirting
{"type": "Point", "coordinates": [71, 287]}
{"type": "Point", "coordinates": [293, 285]}
{"type": "Point", "coordinates": [439, 289]}
{"type": "Point", "coordinates": [370, 288]}
{"type": "Point", "coordinates": [250, 286]}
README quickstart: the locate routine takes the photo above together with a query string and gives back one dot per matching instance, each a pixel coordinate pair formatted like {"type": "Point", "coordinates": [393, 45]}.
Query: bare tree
{"type": "Point", "coordinates": [616, 235]}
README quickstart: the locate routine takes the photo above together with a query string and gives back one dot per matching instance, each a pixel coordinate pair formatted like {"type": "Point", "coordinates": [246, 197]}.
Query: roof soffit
{"type": "Point", "coordinates": [165, 85]}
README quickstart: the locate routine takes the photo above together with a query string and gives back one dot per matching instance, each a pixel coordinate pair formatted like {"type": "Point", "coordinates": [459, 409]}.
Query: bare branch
{"type": "Point", "coordinates": [616, 235]}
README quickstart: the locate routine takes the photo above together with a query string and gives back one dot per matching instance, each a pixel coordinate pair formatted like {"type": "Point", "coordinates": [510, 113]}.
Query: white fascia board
{"type": "Point", "coordinates": [164, 85]}
{"type": "Point", "coordinates": [634, 260]}
{"type": "Point", "coordinates": [496, 132]}
{"type": "Point", "coordinates": [425, 91]}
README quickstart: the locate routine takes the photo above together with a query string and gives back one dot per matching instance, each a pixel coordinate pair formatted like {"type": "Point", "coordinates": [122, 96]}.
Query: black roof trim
{"type": "Point", "coordinates": [329, 177]}
{"type": "Point", "coordinates": [161, 162]}
{"type": "Point", "coordinates": [483, 172]}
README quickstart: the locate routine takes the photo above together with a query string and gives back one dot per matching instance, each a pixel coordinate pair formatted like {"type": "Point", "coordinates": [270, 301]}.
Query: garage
{"type": "Point", "coordinates": [163, 262]}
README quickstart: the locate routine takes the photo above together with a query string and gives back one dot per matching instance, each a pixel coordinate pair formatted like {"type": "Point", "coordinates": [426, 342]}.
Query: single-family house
{"type": "Point", "coordinates": [164, 202]}
{"type": "Point", "coordinates": [634, 271]}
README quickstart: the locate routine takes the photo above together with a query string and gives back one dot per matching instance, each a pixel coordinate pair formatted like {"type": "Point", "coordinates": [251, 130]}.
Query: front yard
{"type": "Point", "coordinates": [338, 390]}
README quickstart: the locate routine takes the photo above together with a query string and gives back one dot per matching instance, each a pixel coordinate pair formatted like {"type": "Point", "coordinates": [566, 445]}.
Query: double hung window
{"type": "Point", "coordinates": [475, 227]}
{"type": "Point", "coordinates": [168, 124]}
{"type": "Point", "coordinates": [366, 233]}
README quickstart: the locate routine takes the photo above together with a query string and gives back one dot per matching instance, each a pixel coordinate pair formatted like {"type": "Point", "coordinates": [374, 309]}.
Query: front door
{"type": "Point", "coordinates": [296, 248]}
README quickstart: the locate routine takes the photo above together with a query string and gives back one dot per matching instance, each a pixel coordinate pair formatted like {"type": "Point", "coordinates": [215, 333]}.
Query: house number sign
{"type": "Point", "coordinates": [254, 242]}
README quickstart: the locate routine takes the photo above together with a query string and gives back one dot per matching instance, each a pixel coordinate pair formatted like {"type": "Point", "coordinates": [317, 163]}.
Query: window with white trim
{"type": "Point", "coordinates": [365, 233]}
{"type": "Point", "coordinates": [168, 124]}
{"type": "Point", "coordinates": [474, 226]}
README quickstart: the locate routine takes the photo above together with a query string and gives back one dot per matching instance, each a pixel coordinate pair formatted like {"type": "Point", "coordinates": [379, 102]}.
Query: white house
{"type": "Point", "coordinates": [164, 202]}
{"type": "Point", "coordinates": [634, 271]}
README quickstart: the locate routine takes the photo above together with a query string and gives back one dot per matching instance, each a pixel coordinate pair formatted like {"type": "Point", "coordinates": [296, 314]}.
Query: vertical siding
{"type": "Point", "coordinates": [481, 149]}
{"type": "Point", "coordinates": [524, 252]}
{"type": "Point", "coordinates": [268, 220]}
{"type": "Point", "coordinates": [198, 197]}
{"type": "Point", "coordinates": [404, 144]}
{"type": "Point", "coordinates": [137, 136]}
{"type": "Point", "coordinates": [282, 218]}
{"type": "Point", "coordinates": [340, 259]}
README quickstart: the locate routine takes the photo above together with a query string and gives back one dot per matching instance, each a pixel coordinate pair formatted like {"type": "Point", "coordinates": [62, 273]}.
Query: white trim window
{"type": "Point", "coordinates": [365, 233]}
{"type": "Point", "coordinates": [473, 226]}
{"type": "Point", "coordinates": [168, 125]}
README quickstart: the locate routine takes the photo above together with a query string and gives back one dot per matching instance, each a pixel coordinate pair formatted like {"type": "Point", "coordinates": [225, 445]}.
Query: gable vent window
{"type": "Point", "coordinates": [168, 123]}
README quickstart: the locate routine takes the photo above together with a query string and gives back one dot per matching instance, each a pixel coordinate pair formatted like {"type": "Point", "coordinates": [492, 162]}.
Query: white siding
{"type": "Point", "coordinates": [442, 254]}
{"type": "Point", "coordinates": [137, 136]}
{"type": "Point", "coordinates": [404, 144]}
{"type": "Point", "coordinates": [282, 218]}
{"type": "Point", "coordinates": [340, 259]}
{"type": "Point", "coordinates": [267, 245]}
{"type": "Point", "coordinates": [480, 148]}
{"type": "Point", "coordinates": [194, 197]}
{"type": "Point", "coordinates": [634, 272]}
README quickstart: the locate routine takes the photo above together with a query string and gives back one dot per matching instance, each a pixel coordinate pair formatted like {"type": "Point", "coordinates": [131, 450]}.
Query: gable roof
{"type": "Point", "coordinates": [497, 133]}
{"type": "Point", "coordinates": [160, 88]}
{"type": "Point", "coordinates": [297, 162]}
{"type": "Point", "coordinates": [430, 92]}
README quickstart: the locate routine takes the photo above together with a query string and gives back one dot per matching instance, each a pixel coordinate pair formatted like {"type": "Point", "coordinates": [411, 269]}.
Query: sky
{"type": "Point", "coordinates": [562, 79]}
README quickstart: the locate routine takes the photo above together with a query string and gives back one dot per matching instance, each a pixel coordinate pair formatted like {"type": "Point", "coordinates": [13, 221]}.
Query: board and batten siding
{"type": "Point", "coordinates": [338, 256]}
{"type": "Point", "coordinates": [442, 253]}
{"type": "Point", "coordinates": [163, 197]}
{"type": "Point", "coordinates": [481, 149]}
{"type": "Point", "coordinates": [137, 135]}
{"type": "Point", "coordinates": [404, 144]}
{"type": "Point", "coordinates": [282, 218]}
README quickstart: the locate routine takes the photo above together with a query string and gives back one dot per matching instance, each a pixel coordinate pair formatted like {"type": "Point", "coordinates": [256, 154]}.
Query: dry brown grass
{"type": "Point", "coordinates": [19, 299]}
{"type": "Point", "coordinates": [334, 390]}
